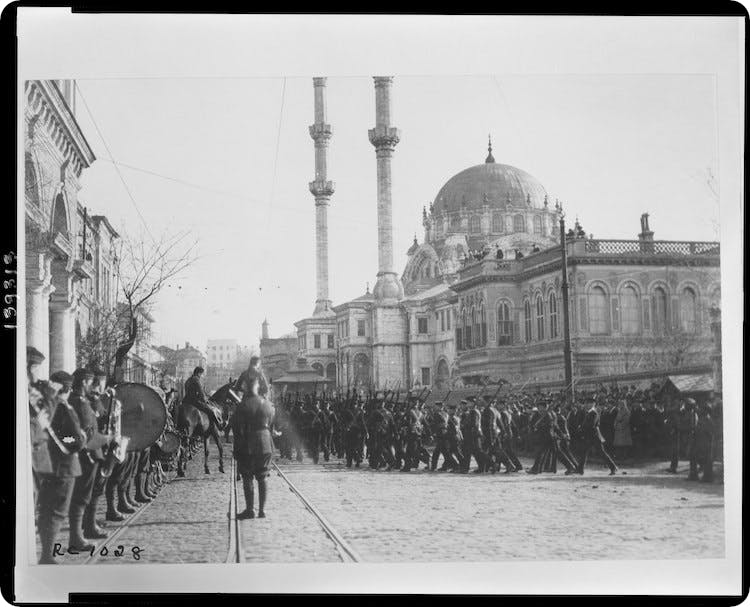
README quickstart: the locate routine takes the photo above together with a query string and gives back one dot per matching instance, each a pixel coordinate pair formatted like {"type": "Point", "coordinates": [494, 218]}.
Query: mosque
{"type": "Point", "coordinates": [638, 308]}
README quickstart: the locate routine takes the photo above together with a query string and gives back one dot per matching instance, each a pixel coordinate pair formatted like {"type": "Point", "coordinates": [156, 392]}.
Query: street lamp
{"type": "Point", "coordinates": [569, 388]}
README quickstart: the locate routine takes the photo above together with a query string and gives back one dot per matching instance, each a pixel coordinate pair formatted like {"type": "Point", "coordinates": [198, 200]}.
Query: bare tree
{"type": "Point", "coordinates": [144, 268]}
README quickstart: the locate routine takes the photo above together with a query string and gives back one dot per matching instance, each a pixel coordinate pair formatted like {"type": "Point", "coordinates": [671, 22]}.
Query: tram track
{"type": "Point", "coordinates": [345, 551]}
{"type": "Point", "coordinates": [102, 550]}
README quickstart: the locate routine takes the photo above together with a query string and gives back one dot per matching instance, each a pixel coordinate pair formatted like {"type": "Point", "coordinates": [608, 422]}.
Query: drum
{"type": "Point", "coordinates": [144, 414]}
{"type": "Point", "coordinates": [169, 442]}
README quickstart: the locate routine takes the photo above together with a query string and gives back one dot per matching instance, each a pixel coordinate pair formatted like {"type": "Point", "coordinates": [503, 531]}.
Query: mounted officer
{"type": "Point", "coordinates": [195, 395]}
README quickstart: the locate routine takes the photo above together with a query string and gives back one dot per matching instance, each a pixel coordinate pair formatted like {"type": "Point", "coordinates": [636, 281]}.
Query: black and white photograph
{"type": "Point", "coordinates": [329, 303]}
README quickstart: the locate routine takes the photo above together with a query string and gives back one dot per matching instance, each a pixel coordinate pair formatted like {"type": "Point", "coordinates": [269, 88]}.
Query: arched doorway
{"type": "Point", "coordinates": [442, 375]}
{"type": "Point", "coordinates": [331, 371]}
{"type": "Point", "coordinates": [361, 370]}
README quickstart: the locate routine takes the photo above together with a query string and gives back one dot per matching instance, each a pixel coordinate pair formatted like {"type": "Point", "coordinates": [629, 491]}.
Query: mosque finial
{"type": "Point", "coordinates": [546, 201]}
{"type": "Point", "coordinates": [415, 238]}
{"type": "Point", "coordinates": [490, 158]}
{"type": "Point", "coordinates": [368, 288]}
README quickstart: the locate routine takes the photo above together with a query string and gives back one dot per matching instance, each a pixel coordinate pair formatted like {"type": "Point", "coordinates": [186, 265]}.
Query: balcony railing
{"type": "Point", "coordinates": [672, 248]}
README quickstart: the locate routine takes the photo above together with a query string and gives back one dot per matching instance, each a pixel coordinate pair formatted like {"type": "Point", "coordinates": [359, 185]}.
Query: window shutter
{"type": "Point", "coordinates": [675, 305]}
{"type": "Point", "coordinates": [615, 314]}
{"type": "Point", "coordinates": [583, 318]}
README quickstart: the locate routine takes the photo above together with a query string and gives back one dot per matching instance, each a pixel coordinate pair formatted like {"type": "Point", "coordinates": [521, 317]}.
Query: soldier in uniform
{"type": "Point", "coordinates": [508, 435]}
{"type": "Point", "coordinates": [356, 434]}
{"type": "Point", "coordinates": [327, 424]}
{"type": "Point", "coordinates": [414, 431]}
{"type": "Point", "coordinates": [92, 528]}
{"type": "Point", "coordinates": [89, 457]}
{"type": "Point", "coordinates": [471, 427]}
{"type": "Point", "coordinates": [56, 488]}
{"type": "Point", "coordinates": [195, 395]}
{"type": "Point", "coordinates": [41, 408]}
{"type": "Point", "coordinates": [455, 438]}
{"type": "Point", "coordinates": [297, 426]}
{"type": "Point", "coordinates": [438, 422]}
{"type": "Point", "coordinates": [703, 446]}
{"type": "Point", "coordinates": [492, 441]}
{"type": "Point", "coordinates": [593, 440]}
{"type": "Point", "coordinates": [382, 428]}
{"type": "Point", "coordinates": [252, 425]}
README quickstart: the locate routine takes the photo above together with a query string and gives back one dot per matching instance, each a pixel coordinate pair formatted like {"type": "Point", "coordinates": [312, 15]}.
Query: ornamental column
{"type": "Point", "coordinates": [62, 337]}
{"type": "Point", "coordinates": [321, 189]}
{"type": "Point", "coordinates": [384, 137]}
{"type": "Point", "coordinates": [38, 289]}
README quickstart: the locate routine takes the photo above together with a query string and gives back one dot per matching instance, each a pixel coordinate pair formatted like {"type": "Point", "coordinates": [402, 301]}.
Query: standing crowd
{"type": "Point", "coordinates": [76, 458]}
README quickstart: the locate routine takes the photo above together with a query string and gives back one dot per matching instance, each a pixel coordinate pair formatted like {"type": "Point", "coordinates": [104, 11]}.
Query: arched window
{"type": "Point", "coordinates": [539, 317]}
{"type": "Point", "coordinates": [331, 371]}
{"type": "Point", "coordinates": [477, 328]}
{"type": "Point", "coordinates": [504, 325]}
{"type": "Point", "coordinates": [552, 304]}
{"type": "Point", "coordinates": [456, 223]}
{"type": "Point", "coordinates": [519, 223]}
{"type": "Point", "coordinates": [687, 311]}
{"type": "Point", "coordinates": [483, 324]}
{"type": "Point", "coordinates": [630, 311]}
{"type": "Point", "coordinates": [318, 368]}
{"type": "Point", "coordinates": [598, 312]}
{"type": "Point", "coordinates": [537, 224]}
{"type": "Point", "coordinates": [527, 320]}
{"type": "Point", "coordinates": [467, 320]}
{"type": "Point", "coordinates": [498, 224]}
{"type": "Point", "coordinates": [659, 304]}
{"type": "Point", "coordinates": [438, 227]}
{"type": "Point", "coordinates": [427, 271]}
{"type": "Point", "coordinates": [475, 224]}
{"type": "Point", "coordinates": [60, 216]}
{"type": "Point", "coordinates": [459, 330]}
{"type": "Point", "coordinates": [32, 182]}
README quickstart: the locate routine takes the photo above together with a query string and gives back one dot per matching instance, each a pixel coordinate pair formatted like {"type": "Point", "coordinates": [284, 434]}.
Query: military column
{"type": "Point", "coordinates": [322, 189]}
{"type": "Point", "coordinates": [388, 324]}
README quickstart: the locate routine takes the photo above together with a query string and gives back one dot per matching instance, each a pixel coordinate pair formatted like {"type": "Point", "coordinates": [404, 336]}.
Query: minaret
{"type": "Point", "coordinates": [322, 189]}
{"type": "Point", "coordinates": [388, 288]}
{"type": "Point", "coordinates": [264, 329]}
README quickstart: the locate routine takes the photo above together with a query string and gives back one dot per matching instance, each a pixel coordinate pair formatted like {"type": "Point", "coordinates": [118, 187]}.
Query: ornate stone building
{"type": "Point", "coordinates": [55, 154]}
{"type": "Point", "coordinates": [638, 308]}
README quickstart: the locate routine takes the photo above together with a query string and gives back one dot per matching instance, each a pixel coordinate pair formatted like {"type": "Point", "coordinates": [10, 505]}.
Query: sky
{"type": "Point", "coordinates": [228, 161]}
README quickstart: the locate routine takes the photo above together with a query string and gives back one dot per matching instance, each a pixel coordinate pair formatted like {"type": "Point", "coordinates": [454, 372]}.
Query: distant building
{"type": "Point", "coordinates": [480, 298]}
{"type": "Point", "coordinates": [222, 353]}
{"type": "Point", "coordinates": [277, 356]}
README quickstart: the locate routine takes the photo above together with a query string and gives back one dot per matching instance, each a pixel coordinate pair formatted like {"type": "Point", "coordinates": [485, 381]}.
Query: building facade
{"type": "Point", "coordinates": [56, 153]}
{"type": "Point", "coordinates": [637, 308]}
{"type": "Point", "coordinates": [278, 355]}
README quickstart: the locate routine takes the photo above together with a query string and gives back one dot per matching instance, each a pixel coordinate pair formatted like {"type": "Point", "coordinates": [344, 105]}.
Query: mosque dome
{"type": "Point", "coordinates": [493, 184]}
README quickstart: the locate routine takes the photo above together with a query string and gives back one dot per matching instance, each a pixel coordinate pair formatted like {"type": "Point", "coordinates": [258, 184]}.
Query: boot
{"type": "Point", "coordinates": [123, 505]}
{"type": "Point", "coordinates": [150, 487]}
{"type": "Point", "coordinates": [262, 493]}
{"type": "Point", "coordinates": [76, 540]}
{"type": "Point", "coordinates": [140, 496]}
{"type": "Point", "coordinates": [47, 533]}
{"type": "Point", "coordinates": [90, 529]}
{"type": "Point", "coordinates": [132, 503]}
{"type": "Point", "coordinates": [247, 486]}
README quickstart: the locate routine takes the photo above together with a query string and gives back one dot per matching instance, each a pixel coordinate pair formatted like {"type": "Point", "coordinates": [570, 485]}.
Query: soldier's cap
{"type": "Point", "coordinates": [81, 373]}
{"type": "Point", "coordinates": [34, 356]}
{"type": "Point", "coordinates": [63, 378]}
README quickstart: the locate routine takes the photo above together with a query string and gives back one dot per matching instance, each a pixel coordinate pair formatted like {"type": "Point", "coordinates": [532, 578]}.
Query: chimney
{"type": "Point", "coordinates": [384, 137]}
{"type": "Point", "coordinates": [646, 236]}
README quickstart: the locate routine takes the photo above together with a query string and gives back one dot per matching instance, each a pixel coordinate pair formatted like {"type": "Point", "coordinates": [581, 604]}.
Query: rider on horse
{"type": "Point", "coordinates": [195, 395]}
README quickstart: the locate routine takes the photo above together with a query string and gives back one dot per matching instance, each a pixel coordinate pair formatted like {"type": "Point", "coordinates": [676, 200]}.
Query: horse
{"type": "Point", "coordinates": [192, 423]}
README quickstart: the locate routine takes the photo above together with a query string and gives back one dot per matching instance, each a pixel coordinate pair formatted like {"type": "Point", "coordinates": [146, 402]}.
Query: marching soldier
{"type": "Point", "coordinates": [471, 427]}
{"type": "Point", "coordinates": [328, 423]}
{"type": "Point", "coordinates": [508, 434]}
{"type": "Point", "coordinates": [382, 428]}
{"type": "Point", "coordinates": [455, 438]}
{"type": "Point", "coordinates": [42, 405]}
{"type": "Point", "coordinates": [414, 430]}
{"type": "Point", "coordinates": [297, 427]}
{"type": "Point", "coordinates": [438, 422]}
{"type": "Point", "coordinates": [593, 440]}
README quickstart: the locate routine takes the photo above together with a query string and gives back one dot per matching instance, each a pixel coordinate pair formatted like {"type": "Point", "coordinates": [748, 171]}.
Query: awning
{"type": "Point", "coordinates": [692, 383]}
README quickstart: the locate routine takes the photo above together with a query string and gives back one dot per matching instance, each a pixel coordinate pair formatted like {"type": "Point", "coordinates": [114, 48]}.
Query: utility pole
{"type": "Point", "coordinates": [569, 388]}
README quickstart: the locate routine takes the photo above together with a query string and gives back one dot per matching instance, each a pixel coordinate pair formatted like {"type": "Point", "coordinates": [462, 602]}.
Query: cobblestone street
{"type": "Point", "coordinates": [424, 516]}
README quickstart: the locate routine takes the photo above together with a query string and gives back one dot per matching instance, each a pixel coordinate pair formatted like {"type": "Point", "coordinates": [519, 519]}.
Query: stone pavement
{"type": "Point", "coordinates": [186, 523]}
{"type": "Point", "coordinates": [289, 533]}
{"type": "Point", "coordinates": [425, 516]}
